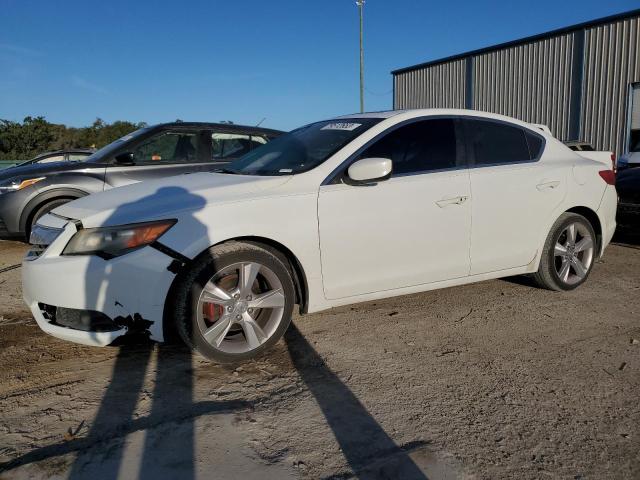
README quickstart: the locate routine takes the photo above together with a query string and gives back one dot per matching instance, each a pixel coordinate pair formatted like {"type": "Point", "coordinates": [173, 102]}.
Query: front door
{"type": "Point", "coordinates": [409, 230]}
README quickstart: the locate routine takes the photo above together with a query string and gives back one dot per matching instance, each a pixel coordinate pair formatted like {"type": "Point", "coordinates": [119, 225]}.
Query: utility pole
{"type": "Point", "coordinates": [360, 4]}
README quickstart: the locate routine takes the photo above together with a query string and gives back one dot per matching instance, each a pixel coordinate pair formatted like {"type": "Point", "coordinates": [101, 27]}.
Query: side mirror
{"type": "Point", "coordinates": [125, 158]}
{"type": "Point", "coordinates": [370, 170]}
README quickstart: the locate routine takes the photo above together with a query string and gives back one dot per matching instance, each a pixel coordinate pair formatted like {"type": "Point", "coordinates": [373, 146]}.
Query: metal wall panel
{"type": "Point", "coordinates": [612, 63]}
{"type": "Point", "coordinates": [577, 81]}
{"type": "Point", "coordinates": [635, 108]}
{"type": "Point", "coordinates": [439, 86]}
{"type": "Point", "coordinates": [531, 82]}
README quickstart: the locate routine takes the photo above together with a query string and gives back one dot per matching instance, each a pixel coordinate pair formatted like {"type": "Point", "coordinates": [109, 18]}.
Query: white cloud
{"type": "Point", "coordinates": [17, 49]}
{"type": "Point", "coordinates": [80, 82]}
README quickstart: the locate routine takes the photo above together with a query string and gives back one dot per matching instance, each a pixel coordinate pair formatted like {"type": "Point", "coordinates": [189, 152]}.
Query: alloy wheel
{"type": "Point", "coordinates": [573, 253]}
{"type": "Point", "coordinates": [240, 307]}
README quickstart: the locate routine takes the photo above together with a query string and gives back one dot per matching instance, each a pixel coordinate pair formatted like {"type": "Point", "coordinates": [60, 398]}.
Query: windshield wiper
{"type": "Point", "coordinates": [226, 170]}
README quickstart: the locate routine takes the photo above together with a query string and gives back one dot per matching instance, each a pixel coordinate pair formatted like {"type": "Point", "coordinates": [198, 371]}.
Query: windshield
{"type": "Point", "coordinates": [302, 149]}
{"type": "Point", "coordinates": [109, 149]}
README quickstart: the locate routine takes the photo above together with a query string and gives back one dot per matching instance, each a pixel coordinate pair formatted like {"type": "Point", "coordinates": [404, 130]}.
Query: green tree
{"type": "Point", "coordinates": [22, 141]}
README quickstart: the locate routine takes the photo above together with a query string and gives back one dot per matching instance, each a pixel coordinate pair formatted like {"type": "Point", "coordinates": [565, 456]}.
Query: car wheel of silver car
{"type": "Point", "coordinates": [235, 302]}
{"type": "Point", "coordinates": [43, 210]}
{"type": "Point", "coordinates": [568, 254]}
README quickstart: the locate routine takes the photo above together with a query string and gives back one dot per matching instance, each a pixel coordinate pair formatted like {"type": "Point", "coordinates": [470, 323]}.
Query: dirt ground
{"type": "Point", "coordinates": [488, 381]}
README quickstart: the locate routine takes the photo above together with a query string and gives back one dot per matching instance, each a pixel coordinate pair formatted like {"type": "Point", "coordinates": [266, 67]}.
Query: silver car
{"type": "Point", "coordinates": [29, 191]}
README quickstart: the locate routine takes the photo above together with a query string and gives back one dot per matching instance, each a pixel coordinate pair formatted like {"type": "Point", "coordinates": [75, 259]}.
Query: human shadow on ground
{"type": "Point", "coordinates": [368, 449]}
{"type": "Point", "coordinates": [172, 402]}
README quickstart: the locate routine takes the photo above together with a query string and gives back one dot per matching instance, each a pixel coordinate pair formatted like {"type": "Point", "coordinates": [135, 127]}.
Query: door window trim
{"type": "Point", "coordinates": [461, 150]}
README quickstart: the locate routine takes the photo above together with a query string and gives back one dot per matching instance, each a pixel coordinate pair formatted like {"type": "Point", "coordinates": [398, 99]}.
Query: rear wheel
{"type": "Point", "coordinates": [568, 254]}
{"type": "Point", "coordinates": [235, 303]}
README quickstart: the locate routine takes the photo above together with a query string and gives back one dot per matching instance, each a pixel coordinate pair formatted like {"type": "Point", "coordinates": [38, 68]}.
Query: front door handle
{"type": "Point", "coordinates": [544, 185]}
{"type": "Point", "coordinates": [451, 201]}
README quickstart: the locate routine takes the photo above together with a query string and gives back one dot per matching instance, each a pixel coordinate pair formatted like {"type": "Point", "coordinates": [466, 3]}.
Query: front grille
{"type": "Point", "coordinates": [84, 320]}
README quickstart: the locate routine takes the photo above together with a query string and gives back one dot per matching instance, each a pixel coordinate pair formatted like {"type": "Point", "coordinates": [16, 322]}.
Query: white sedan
{"type": "Point", "coordinates": [340, 211]}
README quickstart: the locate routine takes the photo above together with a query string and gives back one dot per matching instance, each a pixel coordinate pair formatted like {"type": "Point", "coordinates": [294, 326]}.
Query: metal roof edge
{"type": "Point", "coordinates": [520, 41]}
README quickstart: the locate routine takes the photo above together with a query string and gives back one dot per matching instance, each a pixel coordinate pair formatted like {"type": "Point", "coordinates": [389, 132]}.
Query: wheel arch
{"type": "Point", "coordinates": [43, 198]}
{"type": "Point", "coordinates": [285, 255]}
{"type": "Point", "coordinates": [587, 212]}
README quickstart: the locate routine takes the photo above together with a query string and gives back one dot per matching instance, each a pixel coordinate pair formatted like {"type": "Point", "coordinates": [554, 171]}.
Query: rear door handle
{"type": "Point", "coordinates": [451, 201]}
{"type": "Point", "coordinates": [547, 185]}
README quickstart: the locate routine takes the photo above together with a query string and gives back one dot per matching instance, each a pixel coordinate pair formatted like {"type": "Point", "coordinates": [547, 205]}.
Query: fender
{"type": "Point", "coordinates": [45, 196]}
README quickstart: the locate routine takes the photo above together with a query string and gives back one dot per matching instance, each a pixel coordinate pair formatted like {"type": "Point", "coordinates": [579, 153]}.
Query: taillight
{"type": "Point", "coordinates": [608, 176]}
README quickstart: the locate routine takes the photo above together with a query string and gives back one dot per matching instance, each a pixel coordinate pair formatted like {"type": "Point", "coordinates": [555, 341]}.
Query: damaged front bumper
{"type": "Point", "coordinates": [90, 300]}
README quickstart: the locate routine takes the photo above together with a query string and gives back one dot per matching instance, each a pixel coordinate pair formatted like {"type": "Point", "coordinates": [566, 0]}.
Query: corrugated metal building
{"type": "Point", "coordinates": [581, 81]}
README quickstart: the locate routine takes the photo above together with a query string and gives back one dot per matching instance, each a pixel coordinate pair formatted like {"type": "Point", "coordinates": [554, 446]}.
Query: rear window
{"type": "Point", "coordinates": [496, 143]}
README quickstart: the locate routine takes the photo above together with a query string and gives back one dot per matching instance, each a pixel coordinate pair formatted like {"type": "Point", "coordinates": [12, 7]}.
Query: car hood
{"type": "Point", "coordinates": [36, 169]}
{"type": "Point", "coordinates": [166, 197]}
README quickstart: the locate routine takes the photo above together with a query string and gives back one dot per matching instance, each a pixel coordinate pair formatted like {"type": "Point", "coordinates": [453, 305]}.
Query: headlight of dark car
{"type": "Point", "coordinates": [109, 242]}
{"type": "Point", "coordinates": [15, 184]}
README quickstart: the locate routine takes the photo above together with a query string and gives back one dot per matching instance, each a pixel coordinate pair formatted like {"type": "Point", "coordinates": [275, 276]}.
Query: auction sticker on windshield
{"type": "Point", "coordinates": [341, 126]}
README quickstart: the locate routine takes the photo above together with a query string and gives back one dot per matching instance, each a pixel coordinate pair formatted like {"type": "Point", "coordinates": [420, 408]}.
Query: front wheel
{"type": "Point", "coordinates": [234, 303]}
{"type": "Point", "coordinates": [43, 210]}
{"type": "Point", "coordinates": [568, 254]}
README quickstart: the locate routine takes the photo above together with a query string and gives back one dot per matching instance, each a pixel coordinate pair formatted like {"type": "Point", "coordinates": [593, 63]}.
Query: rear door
{"type": "Point", "coordinates": [514, 193]}
{"type": "Point", "coordinates": [167, 153]}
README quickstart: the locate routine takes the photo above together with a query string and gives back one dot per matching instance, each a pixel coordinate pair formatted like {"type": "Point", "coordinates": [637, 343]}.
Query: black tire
{"type": "Point", "coordinates": [547, 276]}
{"type": "Point", "coordinates": [203, 269]}
{"type": "Point", "coordinates": [43, 210]}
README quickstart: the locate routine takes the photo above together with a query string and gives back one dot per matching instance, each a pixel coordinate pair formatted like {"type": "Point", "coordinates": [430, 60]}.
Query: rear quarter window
{"type": "Point", "coordinates": [535, 143]}
{"type": "Point", "coordinates": [496, 143]}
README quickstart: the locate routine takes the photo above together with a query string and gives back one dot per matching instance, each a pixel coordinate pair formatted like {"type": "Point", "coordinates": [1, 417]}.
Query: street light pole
{"type": "Point", "coordinates": [360, 4]}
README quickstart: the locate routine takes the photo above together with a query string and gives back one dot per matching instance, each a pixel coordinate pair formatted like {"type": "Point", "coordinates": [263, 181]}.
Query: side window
{"type": "Point", "coordinates": [227, 146]}
{"type": "Point", "coordinates": [76, 157]}
{"type": "Point", "coordinates": [55, 158]}
{"type": "Point", "coordinates": [494, 143]}
{"type": "Point", "coordinates": [169, 147]}
{"type": "Point", "coordinates": [418, 147]}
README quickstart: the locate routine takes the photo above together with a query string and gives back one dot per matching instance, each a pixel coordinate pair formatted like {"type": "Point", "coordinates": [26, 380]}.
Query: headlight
{"type": "Point", "coordinates": [15, 185]}
{"type": "Point", "coordinates": [109, 242]}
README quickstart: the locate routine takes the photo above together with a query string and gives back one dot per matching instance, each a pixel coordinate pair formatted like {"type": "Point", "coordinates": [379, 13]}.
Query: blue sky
{"type": "Point", "coordinates": [289, 61]}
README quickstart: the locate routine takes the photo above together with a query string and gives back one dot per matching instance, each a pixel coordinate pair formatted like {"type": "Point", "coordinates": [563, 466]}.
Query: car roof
{"type": "Point", "coordinates": [419, 112]}
{"type": "Point", "coordinates": [228, 127]}
{"type": "Point", "coordinates": [88, 151]}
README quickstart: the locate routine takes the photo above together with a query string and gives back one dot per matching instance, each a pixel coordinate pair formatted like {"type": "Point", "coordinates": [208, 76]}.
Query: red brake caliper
{"type": "Point", "coordinates": [213, 311]}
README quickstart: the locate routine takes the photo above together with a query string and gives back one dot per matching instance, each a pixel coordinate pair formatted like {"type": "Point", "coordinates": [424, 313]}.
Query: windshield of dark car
{"type": "Point", "coordinates": [302, 149]}
{"type": "Point", "coordinates": [109, 149]}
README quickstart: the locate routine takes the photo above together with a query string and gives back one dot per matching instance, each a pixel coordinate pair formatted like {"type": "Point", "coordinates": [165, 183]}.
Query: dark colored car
{"type": "Point", "coordinates": [29, 191]}
{"type": "Point", "coordinates": [628, 187]}
{"type": "Point", "coordinates": [70, 155]}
